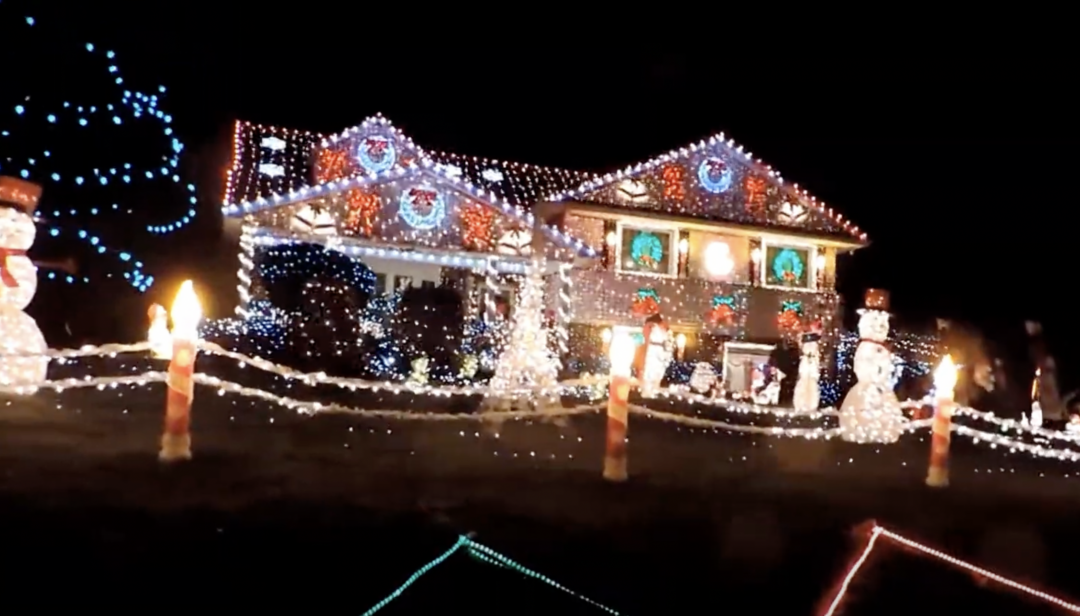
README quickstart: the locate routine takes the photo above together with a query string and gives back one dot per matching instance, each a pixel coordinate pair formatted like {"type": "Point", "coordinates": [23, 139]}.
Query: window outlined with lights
{"type": "Point", "coordinates": [647, 249]}
{"type": "Point", "coordinates": [788, 265]}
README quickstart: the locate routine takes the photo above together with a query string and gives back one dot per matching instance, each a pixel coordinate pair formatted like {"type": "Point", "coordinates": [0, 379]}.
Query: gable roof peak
{"type": "Point", "coordinates": [717, 139]}
{"type": "Point", "coordinates": [379, 122]}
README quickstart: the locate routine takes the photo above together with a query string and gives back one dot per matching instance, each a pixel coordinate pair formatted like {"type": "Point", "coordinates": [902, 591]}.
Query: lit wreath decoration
{"type": "Point", "coordinates": [715, 175]}
{"type": "Point", "coordinates": [647, 250]}
{"type": "Point", "coordinates": [376, 154]}
{"type": "Point", "coordinates": [422, 208]}
{"type": "Point", "coordinates": [787, 266]}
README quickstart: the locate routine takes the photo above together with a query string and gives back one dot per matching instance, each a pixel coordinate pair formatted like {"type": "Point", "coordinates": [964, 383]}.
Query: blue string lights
{"type": "Point", "coordinates": [60, 147]}
{"type": "Point", "coordinates": [486, 555]}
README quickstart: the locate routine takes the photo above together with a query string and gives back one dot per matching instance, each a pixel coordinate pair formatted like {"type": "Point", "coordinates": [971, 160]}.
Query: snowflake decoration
{"type": "Point", "coordinates": [271, 170]}
{"type": "Point", "coordinates": [273, 143]}
{"type": "Point", "coordinates": [492, 175]}
{"type": "Point", "coordinates": [791, 213]}
{"type": "Point", "coordinates": [633, 191]}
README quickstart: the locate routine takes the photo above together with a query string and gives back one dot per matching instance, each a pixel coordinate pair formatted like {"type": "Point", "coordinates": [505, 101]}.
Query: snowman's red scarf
{"type": "Point", "coordinates": [880, 344]}
{"type": "Point", "coordinates": [6, 277]}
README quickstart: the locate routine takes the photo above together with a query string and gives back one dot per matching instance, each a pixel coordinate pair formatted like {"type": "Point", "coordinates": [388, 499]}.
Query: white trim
{"type": "Point", "coordinates": [358, 248]}
{"type": "Point", "coordinates": [672, 230]}
{"type": "Point", "coordinates": [811, 265]}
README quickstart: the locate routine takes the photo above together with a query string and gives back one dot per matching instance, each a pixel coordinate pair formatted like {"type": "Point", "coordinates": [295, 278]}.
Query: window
{"type": "Point", "coordinates": [788, 267]}
{"type": "Point", "coordinates": [402, 283]}
{"type": "Point", "coordinates": [427, 284]}
{"type": "Point", "coordinates": [380, 284]}
{"type": "Point", "coordinates": [647, 250]}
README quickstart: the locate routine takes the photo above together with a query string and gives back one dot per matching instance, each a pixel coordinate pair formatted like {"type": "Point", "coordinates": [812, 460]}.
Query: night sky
{"type": "Point", "coordinates": [952, 149]}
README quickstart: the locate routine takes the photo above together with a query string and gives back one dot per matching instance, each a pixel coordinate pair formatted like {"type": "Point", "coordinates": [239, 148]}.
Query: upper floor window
{"type": "Point", "coordinates": [789, 266]}
{"type": "Point", "coordinates": [647, 250]}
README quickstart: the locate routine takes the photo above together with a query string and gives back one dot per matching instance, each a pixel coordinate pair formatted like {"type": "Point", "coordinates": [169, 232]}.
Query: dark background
{"type": "Point", "coordinates": [952, 146]}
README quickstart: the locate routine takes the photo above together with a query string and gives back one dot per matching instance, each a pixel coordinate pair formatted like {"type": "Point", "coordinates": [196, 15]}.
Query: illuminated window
{"type": "Point", "coordinates": [647, 250]}
{"type": "Point", "coordinates": [788, 267]}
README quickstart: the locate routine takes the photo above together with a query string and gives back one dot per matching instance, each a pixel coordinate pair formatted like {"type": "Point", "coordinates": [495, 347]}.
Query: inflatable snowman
{"type": "Point", "coordinates": [20, 337]}
{"type": "Point", "coordinates": [870, 412]}
{"type": "Point", "coordinates": [807, 393]}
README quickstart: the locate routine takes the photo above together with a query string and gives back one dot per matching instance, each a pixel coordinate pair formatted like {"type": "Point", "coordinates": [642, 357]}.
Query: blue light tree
{"type": "Point", "coordinates": [104, 150]}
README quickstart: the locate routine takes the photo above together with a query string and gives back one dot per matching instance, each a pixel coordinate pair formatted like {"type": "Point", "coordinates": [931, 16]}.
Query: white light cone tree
{"type": "Point", "coordinates": [526, 361]}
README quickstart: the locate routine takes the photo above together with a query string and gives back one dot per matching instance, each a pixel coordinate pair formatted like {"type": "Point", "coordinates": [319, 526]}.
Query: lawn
{"type": "Point", "coordinates": [331, 513]}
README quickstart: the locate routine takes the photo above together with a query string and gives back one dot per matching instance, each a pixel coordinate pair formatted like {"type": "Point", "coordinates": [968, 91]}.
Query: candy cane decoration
{"type": "Point", "coordinates": [247, 266]}
{"type": "Point", "coordinates": [564, 306]}
{"type": "Point", "coordinates": [490, 275]}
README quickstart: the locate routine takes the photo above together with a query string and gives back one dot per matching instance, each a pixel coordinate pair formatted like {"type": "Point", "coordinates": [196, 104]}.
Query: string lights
{"type": "Point", "coordinates": [485, 555]}
{"type": "Point", "coordinates": [722, 168]}
{"type": "Point", "coordinates": [879, 533]}
{"type": "Point", "coordinates": [47, 140]}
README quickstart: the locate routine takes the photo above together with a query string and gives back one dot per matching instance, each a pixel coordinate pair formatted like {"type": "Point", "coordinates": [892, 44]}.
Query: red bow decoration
{"type": "Point", "coordinates": [789, 320]}
{"type": "Point", "coordinates": [422, 200]}
{"type": "Point", "coordinates": [376, 148]}
{"type": "Point", "coordinates": [6, 276]}
{"type": "Point", "coordinates": [721, 313]}
{"type": "Point", "coordinates": [645, 306]}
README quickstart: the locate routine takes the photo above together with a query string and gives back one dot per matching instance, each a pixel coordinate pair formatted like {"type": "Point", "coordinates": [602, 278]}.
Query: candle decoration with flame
{"type": "Point", "coordinates": [186, 313]}
{"type": "Point", "coordinates": [621, 353]}
{"type": "Point", "coordinates": [944, 386]}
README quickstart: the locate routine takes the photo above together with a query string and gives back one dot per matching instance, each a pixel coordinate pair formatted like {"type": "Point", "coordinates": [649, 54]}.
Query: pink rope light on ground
{"type": "Point", "coordinates": [878, 532]}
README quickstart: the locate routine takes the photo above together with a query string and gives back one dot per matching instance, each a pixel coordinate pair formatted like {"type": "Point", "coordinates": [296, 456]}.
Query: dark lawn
{"type": "Point", "coordinates": [330, 514]}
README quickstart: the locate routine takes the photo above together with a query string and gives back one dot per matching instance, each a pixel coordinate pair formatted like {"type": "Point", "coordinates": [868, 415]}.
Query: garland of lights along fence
{"type": "Point", "coordinates": [11, 381]}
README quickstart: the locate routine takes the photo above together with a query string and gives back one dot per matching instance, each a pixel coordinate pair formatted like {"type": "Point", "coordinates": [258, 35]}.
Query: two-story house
{"type": "Point", "coordinates": [730, 255]}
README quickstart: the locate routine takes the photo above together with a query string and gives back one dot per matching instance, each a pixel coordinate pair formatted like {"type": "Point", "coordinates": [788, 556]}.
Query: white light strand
{"type": "Point", "coordinates": [564, 308]}
{"type": "Point", "coordinates": [247, 266]}
{"type": "Point", "coordinates": [105, 350]}
{"type": "Point", "coordinates": [491, 292]}
{"type": "Point", "coordinates": [354, 384]}
{"type": "Point", "coordinates": [712, 424]}
{"type": "Point", "coordinates": [314, 408]}
{"type": "Point", "coordinates": [100, 382]}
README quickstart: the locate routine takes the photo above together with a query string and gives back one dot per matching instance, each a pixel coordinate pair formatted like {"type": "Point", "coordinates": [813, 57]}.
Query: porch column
{"type": "Point", "coordinates": [563, 308]}
{"type": "Point", "coordinates": [491, 274]}
{"type": "Point", "coordinates": [246, 271]}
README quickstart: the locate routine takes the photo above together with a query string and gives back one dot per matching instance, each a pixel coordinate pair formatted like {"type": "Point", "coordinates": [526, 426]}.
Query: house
{"type": "Point", "coordinates": [414, 218]}
{"type": "Point", "coordinates": [733, 257]}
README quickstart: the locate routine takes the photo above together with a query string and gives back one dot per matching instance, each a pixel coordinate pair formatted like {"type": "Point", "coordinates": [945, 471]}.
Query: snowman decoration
{"type": "Point", "coordinates": [807, 394]}
{"type": "Point", "coordinates": [654, 355]}
{"type": "Point", "coordinates": [23, 362]}
{"type": "Point", "coordinates": [703, 378]}
{"type": "Point", "coordinates": [870, 412]}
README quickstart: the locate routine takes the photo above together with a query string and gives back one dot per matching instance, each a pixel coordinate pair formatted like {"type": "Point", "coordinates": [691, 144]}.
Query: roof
{"type": "Point", "coordinates": [279, 172]}
{"type": "Point", "coordinates": [518, 183]}
{"type": "Point", "coordinates": [781, 204]}
{"type": "Point", "coordinates": [272, 163]}
{"type": "Point", "coordinates": [270, 160]}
